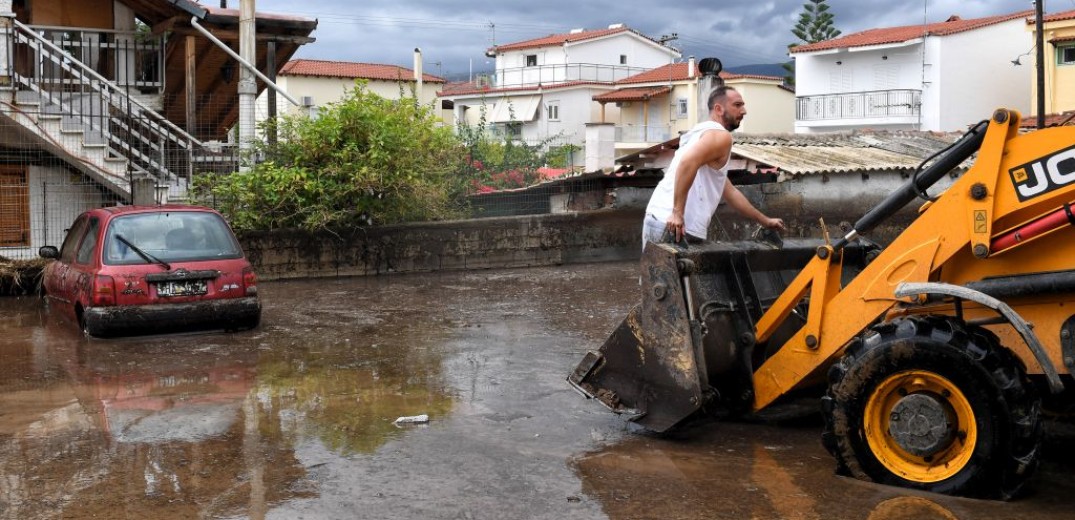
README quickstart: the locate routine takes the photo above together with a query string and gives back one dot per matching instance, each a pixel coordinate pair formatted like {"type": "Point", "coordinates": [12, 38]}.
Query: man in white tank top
{"type": "Point", "coordinates": [696, 181]}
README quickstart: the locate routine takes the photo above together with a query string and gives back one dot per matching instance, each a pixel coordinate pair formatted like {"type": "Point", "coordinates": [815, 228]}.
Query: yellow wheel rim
{"type": "Point", "coordinates": [949, 457]}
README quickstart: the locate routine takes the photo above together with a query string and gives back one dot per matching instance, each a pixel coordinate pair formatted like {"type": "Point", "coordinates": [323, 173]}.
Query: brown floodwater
{"type": "Point", "coordinates": [295, 419]}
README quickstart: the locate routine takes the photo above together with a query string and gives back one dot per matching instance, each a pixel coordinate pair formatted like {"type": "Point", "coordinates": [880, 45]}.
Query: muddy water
{"type": "Point", "coordinates": [295, 419]}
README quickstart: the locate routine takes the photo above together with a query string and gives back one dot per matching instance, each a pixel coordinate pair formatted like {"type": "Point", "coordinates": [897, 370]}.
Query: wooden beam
{"type": "Point", "coordinates": [191, 85]}
{"type": "Point", "coordinates": [165, 26]}
{"type": "Point", "coordinates": [229, 35]}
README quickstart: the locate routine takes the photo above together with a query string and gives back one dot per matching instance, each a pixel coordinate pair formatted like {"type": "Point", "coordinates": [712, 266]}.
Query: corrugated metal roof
{"type": "Point", "coordinates": [801, 154]}
{"type": "Point", "coordinates": [817, 154]}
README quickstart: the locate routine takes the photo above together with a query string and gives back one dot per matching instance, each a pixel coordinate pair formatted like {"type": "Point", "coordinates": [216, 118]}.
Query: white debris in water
{"type": "Point", "coordinates": [416, 419]}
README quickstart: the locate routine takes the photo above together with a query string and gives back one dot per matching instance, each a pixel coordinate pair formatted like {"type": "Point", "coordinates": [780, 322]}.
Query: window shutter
{"type": "Point", "coordinates": [14, 207]}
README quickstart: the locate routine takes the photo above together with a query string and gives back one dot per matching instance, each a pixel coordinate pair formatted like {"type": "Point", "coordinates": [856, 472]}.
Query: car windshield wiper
{"type": "Point", "coordinates": [145, 256]}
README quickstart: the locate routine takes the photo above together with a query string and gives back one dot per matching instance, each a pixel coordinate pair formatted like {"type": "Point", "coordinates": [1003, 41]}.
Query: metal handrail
{"type": "Point", "coordinates": [84, 70]}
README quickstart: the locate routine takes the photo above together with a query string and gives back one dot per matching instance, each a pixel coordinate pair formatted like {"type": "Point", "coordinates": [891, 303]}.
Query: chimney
{"type": "Point", "coordinates": [418, 74]}
{"type": "Point", "coordinates": [690, 67]}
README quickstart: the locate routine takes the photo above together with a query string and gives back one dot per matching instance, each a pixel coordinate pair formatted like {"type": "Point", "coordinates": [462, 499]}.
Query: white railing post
{"type": "Point", "coordinates": [7, 45]}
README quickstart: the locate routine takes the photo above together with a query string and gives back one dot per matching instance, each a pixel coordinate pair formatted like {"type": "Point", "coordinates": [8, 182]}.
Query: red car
{"type": "Point", "coordinates": [148, 269]}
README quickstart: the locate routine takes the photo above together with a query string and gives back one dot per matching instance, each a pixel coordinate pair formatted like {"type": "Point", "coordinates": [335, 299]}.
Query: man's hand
{"type": "Point", "coordinates": [675, 226]}
{"type": "Point", "coordinates": [776, 224]}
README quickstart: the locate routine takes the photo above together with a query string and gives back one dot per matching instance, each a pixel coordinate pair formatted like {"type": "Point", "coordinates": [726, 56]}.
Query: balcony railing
{"type": "Point", "coordinates": [551, 74]}
{"type": "Point", "coordinates": [125, 58]}
{"type": "Point", "coordinates": [94, 97]}
{"type": "Point", "coordinates": [859, 105]}
{"type": "Point", "coordinates": [643, 133]}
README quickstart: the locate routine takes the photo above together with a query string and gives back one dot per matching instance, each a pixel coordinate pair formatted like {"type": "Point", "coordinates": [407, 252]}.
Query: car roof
{"type": "Point", "coordinates": [113, 211]}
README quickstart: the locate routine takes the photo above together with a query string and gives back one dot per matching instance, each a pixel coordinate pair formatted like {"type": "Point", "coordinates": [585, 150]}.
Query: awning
{"type": "Point", "coordinates": [631, 94]}
{"type": "Point", "coordinates": [522, 109]}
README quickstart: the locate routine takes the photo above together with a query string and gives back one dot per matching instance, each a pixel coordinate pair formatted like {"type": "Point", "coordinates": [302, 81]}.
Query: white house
{"type": "Point", "coordinates": [661, 103]}
{"type": "Point", "coordinates": [543, 88]}
{"type": "Point", "coordinates": [318, 82]}
{"type": "Point", "coordinates": [940, 76]}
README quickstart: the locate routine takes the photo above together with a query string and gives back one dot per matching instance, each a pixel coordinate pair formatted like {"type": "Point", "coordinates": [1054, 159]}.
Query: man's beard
{"type": "Point", "coordinates": [729, 122]}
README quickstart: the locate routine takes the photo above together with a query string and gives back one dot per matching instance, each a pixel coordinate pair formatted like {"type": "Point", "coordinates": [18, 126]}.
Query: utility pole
{"type": "Point", "coordinates": [665, 38]}
{"type": "Point", "coordinates": [248, 87]}
{"type": "Point", "coordinates": [1040, 37]}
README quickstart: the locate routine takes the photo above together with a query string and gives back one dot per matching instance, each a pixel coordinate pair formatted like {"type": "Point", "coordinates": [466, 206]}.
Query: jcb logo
{"type": "Point", "coordinates": [1044, 175]}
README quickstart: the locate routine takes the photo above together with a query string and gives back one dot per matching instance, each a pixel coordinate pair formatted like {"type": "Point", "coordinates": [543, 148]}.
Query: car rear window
{"type": "Point", "coordinates": [169, 236]}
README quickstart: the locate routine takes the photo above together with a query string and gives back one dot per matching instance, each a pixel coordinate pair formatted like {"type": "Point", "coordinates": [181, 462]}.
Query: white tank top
{"type": "Point", "coordinates": [705, 193]}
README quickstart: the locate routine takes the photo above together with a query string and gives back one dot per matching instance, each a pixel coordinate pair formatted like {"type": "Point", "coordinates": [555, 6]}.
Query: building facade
{"type": "Point", "coordinates": [542, 89]}
{"type": "Point", "coordinates": [940, 76]}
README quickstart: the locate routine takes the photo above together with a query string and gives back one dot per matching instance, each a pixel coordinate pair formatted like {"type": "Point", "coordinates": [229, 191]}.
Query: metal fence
{"type": "Point", "coordinates": [81, 126]}
{"type": "Point", "coordinates": [859, 105]}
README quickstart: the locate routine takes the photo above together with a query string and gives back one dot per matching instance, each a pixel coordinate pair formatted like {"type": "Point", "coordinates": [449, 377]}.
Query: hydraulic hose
{"type": "Point", "coordinates": [958, 152]}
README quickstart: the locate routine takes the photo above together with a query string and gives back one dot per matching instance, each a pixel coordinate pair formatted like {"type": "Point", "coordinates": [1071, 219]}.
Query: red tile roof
{"type": "Point", "coordinates": [1055, 17]}
{"type": "Point", "coordinates": [1065, 118]}
{"type": "Point", "coordinates": [632, 94]}
{"type": "Point", "coordinates": [346, 69]}
{"type": "Point", "coordinates": [678, 72]}
{"type": "Point", "coordinates": [558, 39]}
{"type": "Point", "coordinates": [869, 37]}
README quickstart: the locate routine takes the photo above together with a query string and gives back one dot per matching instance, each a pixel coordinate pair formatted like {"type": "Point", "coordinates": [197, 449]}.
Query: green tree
{"type": "Point", "coordinates": [815, 25]}
{"type": "Point", "coordinates": [363, 160]}
{"type": "Point", "coordinates": [504, 163]}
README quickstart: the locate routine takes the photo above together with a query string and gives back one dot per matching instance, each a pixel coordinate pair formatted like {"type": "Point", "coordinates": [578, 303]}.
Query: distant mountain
{"type": "Point", "coordinates": [761, 69]}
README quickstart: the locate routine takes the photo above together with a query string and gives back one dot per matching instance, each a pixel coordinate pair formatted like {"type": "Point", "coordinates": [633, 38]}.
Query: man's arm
{"type": "Point", "coordinates": [739, 202]}
{"type": "Point", "coordinates": [713, 146]}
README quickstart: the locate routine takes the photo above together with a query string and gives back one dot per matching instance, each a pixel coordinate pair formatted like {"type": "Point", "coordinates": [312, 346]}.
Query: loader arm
{"type": "Point", "coordinates": [961, 220]}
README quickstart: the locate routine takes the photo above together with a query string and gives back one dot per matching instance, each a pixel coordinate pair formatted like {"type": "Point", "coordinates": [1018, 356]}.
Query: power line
{"type": "Point", "coordinates": [730, 50]}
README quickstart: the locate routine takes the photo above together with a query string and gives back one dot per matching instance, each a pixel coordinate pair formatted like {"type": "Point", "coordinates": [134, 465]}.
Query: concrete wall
{"type": "Point", "coordinates": [325, 90]}
{"type": "Point", "coordinates": [976, 75]}
{"type": "Point", "coordinates": [770, 109]}
{"type": "Point", "coordinates": [473, 244]}
{"type": "Point", "coordinates": [582, 237]}
{"type": "Point", "coordinates": [1059, 79]}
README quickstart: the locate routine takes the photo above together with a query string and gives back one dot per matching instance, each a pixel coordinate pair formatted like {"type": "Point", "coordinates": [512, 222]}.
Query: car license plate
{"type": "Point", "coordinates": [182, 288]}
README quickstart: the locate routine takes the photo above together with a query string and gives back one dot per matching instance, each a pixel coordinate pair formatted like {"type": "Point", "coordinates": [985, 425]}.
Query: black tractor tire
{"type": "Point", "coordinates": [977, 391]}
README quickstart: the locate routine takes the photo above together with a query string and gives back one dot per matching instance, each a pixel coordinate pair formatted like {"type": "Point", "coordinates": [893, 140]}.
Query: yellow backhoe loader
{"type": "Point", "coordinates": [936, 354]}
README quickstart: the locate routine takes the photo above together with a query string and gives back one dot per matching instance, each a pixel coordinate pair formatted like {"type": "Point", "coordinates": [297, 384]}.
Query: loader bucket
{"type": "Point", "coordinates": [690, 342]}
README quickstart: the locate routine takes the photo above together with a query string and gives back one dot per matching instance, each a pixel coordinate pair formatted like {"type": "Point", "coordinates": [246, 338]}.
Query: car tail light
{"type": "Point", "coordinates": [104, 290]}
{"type": "Point", "coordinates": [250, 281]}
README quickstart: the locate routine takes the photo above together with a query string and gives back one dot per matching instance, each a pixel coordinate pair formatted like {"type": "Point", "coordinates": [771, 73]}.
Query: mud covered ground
{"type": "Point", "coordinates": [295, 419]}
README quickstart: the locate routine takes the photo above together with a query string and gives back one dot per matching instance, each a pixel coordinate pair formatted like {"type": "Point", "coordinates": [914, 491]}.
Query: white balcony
{"type": "Point", "coordinates": [643, 133]}
{"type": "Point", "coordinates": [877, 107]}
{"type": "Point", "coordinates": [553, 74]}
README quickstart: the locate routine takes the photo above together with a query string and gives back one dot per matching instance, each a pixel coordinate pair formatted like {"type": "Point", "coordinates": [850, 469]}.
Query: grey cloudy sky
{"type": "Point", "coordinates": [454, 34]}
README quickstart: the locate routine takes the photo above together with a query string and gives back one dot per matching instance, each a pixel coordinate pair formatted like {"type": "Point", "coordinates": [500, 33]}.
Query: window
{"type": "Point", "coordinates": [513, 130]}
{"type": "Point", "coordinates": [552, 110]}
{"type": "Point", "coordinates": [1065, 54]}
{"type": "Point", "coordinates": [531, 60]}
{"type": "Point", "coordinates": [70, 242]}
{"type": "Point", "coordinates": [623, 59]}
{"type": "Point", "coordinates": [85, 249]}
{"type": "Point", "coordinates": [681, 108]}
{"type": "Point", "coordinates": [14, 207]}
